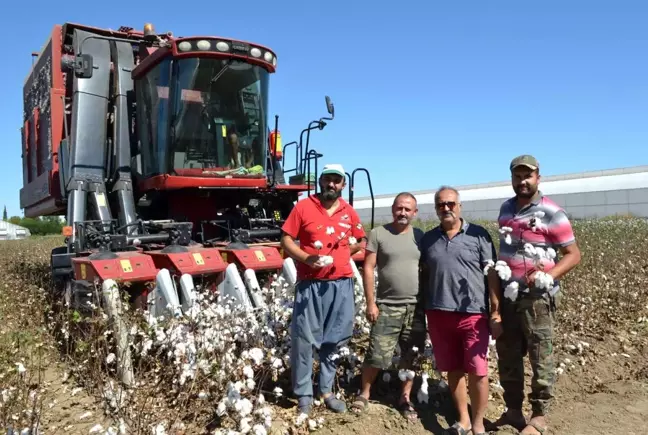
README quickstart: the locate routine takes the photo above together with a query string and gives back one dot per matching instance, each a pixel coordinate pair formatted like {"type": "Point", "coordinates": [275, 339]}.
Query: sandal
{"type": "Point", "coordinates": [456, 429]}
{"type": "Point", "coordinates": [407, 410]}
{"type": "Point", "coordinates": [360, 405]}
{"type": "Point", "coordinates": [541, 430]}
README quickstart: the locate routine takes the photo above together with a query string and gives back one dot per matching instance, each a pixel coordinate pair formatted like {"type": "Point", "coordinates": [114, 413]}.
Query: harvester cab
{"type": "Point", "coordinates": [159, 152]}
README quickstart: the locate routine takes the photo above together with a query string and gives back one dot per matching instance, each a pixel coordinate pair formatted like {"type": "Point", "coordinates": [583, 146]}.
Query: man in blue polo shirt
{"type": "Point", "coordinates": [458, 309]}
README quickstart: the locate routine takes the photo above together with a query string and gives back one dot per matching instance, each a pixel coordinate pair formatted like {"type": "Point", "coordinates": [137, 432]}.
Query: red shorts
{"type": "Point", "coordinates": [459, 341]}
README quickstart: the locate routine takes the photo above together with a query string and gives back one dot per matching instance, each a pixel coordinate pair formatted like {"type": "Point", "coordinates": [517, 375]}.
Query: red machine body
{"type": "Point", "coordinates": [159, 152]}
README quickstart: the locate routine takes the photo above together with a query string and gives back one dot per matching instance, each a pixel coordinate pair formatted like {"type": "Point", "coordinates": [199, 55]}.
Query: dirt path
{"type": "Point", "coordinates": [622, 408]}
{"type": "Point", "coordinates": [606, 397]}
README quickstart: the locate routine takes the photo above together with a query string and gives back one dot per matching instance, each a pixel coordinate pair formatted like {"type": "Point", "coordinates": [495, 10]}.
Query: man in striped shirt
{"type": "Point", "coordinates": [533, 228]}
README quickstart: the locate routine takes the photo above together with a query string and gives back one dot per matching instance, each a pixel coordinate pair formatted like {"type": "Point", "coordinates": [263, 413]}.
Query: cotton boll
{"type": "Point", "coordinates": [489, 265]}
{"type": "Point", "coordinates": [256, 355]}
{"type": "Point", "coordinates": [511, 290]}
{"type": "Point", "coordinates": [507, 239]}
{"type": "Point", "coordinates": [539, 214]}
{"type": "Point", "coordinates": [529, 249]}
{"type": "Point", "coordinates": [318, 245]}
{"type": "Point", "coordinates": [422, 395]}
{"type": "Point", "coordinates": [402, 375]}
{"type": "Point", "coordinates": [352, 240]}
{"type": "Point", "coordinates": [543, 280]}
{"type": "Point", "coordinates": [551, 253]}
{"type": "Point", "coordinates": [325, 260]}
{"type": "Point", "coordinates": [245, 425]}
{"type": "Point", "coordinates": [503, 270]}
{"type": "Point", "coordinates": [301, 418]}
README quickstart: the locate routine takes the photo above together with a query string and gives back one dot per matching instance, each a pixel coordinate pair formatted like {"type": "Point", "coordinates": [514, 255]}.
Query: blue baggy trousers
{"type": "Point", "coordinates": [322, 319]}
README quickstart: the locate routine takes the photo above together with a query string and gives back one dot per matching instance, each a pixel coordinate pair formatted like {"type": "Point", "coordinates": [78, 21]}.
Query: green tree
{"type": "Point", "coordinates": [41, 226]}
{"type": "Point", "coordinates": [4, 213]}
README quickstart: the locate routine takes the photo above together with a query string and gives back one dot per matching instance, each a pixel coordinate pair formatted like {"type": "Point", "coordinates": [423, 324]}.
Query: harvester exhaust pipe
{"type": "Point", "coordinates": [110, 293]}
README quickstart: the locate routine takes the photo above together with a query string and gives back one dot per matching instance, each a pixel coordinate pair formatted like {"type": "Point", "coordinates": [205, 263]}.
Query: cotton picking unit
{"type": "Point", "coordinates": [159, 152]}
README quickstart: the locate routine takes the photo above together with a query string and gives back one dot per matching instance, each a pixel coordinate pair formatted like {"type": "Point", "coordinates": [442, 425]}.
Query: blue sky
{"type": "Point", "coordinates": [426, 92]}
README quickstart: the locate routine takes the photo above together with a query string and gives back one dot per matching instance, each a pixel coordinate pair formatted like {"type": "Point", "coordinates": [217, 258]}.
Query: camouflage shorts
{"type": "Point", "coordinates": [396, 324]}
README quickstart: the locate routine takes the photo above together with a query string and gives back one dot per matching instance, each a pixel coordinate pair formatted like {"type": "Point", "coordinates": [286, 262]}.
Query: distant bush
{"type": "Point", "coordinates": [42, 226]}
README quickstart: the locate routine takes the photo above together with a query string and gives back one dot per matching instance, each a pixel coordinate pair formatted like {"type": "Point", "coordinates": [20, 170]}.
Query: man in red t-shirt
{"type": "Point", "coordinates": [329, 233]}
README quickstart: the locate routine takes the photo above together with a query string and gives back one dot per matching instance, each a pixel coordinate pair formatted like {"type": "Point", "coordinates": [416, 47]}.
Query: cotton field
{"type": "Point", "coordinates": [221, 369]}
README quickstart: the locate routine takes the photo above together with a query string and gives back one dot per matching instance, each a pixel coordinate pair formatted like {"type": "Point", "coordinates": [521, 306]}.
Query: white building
{"type": "Point", "coordinates": [583, 195]}
{"type": "Point", "coordinates": [9, 231]}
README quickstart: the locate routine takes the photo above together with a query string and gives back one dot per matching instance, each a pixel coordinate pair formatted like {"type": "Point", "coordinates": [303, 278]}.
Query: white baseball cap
{"type": "Point", "coordinates": [334, 168]}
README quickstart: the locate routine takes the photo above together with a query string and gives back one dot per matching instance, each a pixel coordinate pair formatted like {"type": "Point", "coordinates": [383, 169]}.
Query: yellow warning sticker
{"type": "Point", "coordinates": [198, 259]}
{"type": "Point", "coordinates": [101, 200]}
{"type": "Point", "coordinates": [83, 271]}
{"type": "Point", "coordinates": [126, 265]}
{"type": "Point", "coordinates": [259, 255]}
{"type": "Point", "coordinates": [224, 129]}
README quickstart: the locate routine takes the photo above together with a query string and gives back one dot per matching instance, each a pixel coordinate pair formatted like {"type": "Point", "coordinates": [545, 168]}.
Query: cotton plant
{"type": "Point", "coordinates": [220, 354]}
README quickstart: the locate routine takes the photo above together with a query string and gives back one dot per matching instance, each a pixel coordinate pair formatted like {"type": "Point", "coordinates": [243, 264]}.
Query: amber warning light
{"type": "Point", "coordinates": [149, 31]}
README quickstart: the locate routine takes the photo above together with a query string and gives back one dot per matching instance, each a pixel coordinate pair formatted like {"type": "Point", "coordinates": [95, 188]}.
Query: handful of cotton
{"type": "Point", "coordinates": [325, 260]}
{"type": "Point", "coordinates": [511, 290]}
{"type": "Point", "coordinates": [502, 269]}
{"type": "Point", "coordinates": [542, 279]}
{"type": "Point", "coordinates": [506, 232]}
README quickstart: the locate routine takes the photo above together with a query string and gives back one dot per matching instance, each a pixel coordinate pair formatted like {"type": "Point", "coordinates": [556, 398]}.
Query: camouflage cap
{"type": "Point", "coordinates": [525, 160]}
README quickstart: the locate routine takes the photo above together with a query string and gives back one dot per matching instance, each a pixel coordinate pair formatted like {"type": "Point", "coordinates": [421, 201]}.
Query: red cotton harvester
{"type": "Point", "coordinates": [159, 152]}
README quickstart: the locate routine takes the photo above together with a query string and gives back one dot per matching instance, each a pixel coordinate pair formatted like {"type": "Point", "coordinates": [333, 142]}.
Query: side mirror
{"type": "Point", "coordinates": [329, 106]}
{"type": "Point", "coordinates": [83, 66]}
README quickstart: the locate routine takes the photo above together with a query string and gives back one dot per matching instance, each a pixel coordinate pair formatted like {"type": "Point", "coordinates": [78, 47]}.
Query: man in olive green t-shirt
{"type": "Point", "coordinates": [396, 310]}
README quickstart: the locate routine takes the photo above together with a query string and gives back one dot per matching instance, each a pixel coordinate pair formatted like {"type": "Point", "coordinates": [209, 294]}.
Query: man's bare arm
{"type": "Point", "coordinates": [294, 251]}
{"type": "Point", "coordinates": [368, 280]}
{"type": "Point", "coordinates": [494, 292]}
{"type": "Point", "coordinates": [359, 246]}
{"type": "Point", "coordinates": [571, 257]}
